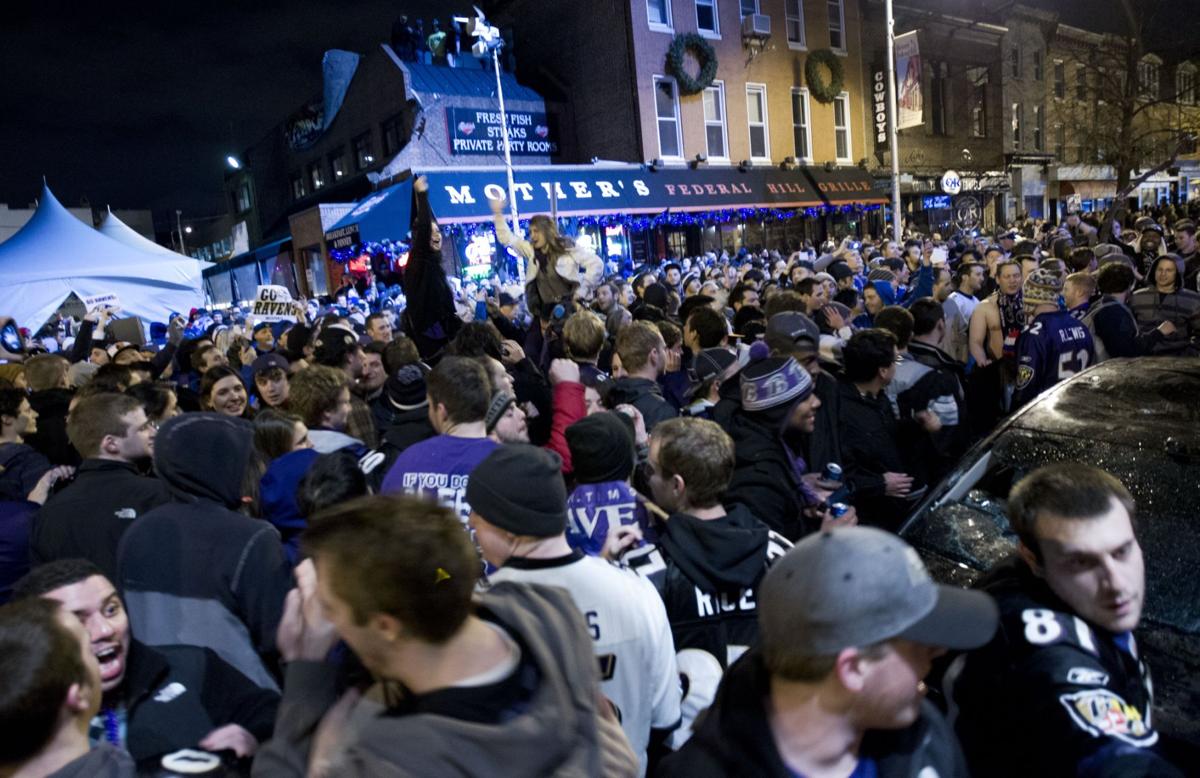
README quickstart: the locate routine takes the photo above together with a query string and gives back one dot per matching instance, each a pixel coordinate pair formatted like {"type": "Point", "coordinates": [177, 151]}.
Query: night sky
{"type": "Point", "coordinates": [136, 104]}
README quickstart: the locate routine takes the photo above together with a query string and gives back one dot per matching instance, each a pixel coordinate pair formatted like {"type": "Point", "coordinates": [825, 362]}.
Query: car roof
{"type": "Point", "coordinates": [1147, 401]}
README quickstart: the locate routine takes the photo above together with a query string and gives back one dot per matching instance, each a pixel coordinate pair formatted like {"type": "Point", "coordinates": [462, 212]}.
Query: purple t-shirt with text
{"type": "Point", "coordinates": [438, 468]}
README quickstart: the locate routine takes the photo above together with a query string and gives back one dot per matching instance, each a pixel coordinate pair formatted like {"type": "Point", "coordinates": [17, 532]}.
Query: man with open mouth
{"type": "Point", "coordinates": [155, 700]}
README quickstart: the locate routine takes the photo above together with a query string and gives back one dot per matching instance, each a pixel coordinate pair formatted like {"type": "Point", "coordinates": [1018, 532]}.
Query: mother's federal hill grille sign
{"type": "Point", "coordinates": [480, 131]}
{"type": "Point", "coordinates": [580, 190]}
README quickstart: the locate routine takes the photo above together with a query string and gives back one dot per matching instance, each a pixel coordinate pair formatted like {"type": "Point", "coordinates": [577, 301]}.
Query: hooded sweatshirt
{"type": "Point", "coordinates": [193, 571]}
{"type": "Point", "coordinates": [1181, 307]}
{"type": "Point", "coordinates": [551, 730]}
{"type": "Point", "coordinates": [708, 572]}
{"type": "Point", "coordinates": [277, 496]}
{"type": "Point", "coordinates": [887, 293]}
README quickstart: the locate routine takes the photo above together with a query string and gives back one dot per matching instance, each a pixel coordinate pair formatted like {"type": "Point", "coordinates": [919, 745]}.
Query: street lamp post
{"type": "Point", "coordinates": [489, 41]}
{"type": "Point", "coordinates": [179, 228]}
{"type": "Point", "coordinates": [893, 140]}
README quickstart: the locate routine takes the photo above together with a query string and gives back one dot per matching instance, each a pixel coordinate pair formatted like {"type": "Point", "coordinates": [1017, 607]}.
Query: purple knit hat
{"type": "Point", "coordinates": [774, 382]}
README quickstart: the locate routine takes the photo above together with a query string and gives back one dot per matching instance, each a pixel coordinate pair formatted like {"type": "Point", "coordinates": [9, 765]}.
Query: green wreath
{"type": "Point", "coordinates": [818, 87]}
{"type": "Point", "coordinates": [703, 51]}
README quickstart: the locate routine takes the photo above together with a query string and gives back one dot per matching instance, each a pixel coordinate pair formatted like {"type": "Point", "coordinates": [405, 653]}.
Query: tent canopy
{"type": "Point", "coordinates": [123, 233]}
{"type": "Point", "coordinates": [55, 254]}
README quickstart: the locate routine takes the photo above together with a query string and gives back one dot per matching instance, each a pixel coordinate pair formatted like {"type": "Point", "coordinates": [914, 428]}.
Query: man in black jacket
{"type": "Point", "coordinates": [769, 475]}
{"type": "Point", "coordinates": [158, 700]}
{"type": "Point", "coordinates": [643, 354]}
{"type": "Point", "coordinates": [850, 624]}
{"type": "Point", "coordinates": [881, 482]}
{"type": "Point", "coordinates": [708, 561]}
{"type": "Point", "coordinates": [194, 571]}
{"type": "Point", "coordinates": [87, 518]}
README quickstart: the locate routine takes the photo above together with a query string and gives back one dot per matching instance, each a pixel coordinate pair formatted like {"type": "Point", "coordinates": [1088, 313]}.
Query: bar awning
{"type": "Point", "coordinates": [384, 215]}
{"type": "Point", "coordinates": [462, 195]}
{"type": "Point", "coordinates": [845, 186]}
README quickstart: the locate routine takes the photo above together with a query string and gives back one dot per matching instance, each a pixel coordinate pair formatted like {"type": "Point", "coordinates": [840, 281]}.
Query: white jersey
{"type": "Point", "coordinates": [630, 633]}
{"type": "Point", "coordinates": [958, 308]}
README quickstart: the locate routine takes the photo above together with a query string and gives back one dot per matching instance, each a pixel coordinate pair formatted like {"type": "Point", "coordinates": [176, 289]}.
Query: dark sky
{"type": "Point", "coordinates": [136, 104]}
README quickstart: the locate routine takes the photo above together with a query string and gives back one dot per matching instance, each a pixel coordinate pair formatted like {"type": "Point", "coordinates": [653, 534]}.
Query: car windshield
{"type": "Point", "coordinates": [967, 526]}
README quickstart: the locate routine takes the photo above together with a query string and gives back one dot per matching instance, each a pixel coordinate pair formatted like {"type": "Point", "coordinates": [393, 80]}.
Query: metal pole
{"type": "Point", "coordinates": [893, 141]}
{"type": "Point", "coordinates": [512, 194]}
{"type": "Point", "coordinates": [179, 226]}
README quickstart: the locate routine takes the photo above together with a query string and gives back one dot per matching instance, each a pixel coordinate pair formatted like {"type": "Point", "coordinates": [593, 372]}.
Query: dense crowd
{"type": "Point", "coordinates": [608, 523]}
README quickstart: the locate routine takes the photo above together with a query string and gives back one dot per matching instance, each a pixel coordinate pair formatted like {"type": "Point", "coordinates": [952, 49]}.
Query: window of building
{"type": "Point", "coordinates": [749, 7]}
{"type": "Point", "coordinates": [364, 152]}
{"type": "Point", "coordinates": [977, 78]}
{"type": "Point", "coordinates": [337, 164]}
{"type": "Point", "coordinates": [659, 14]}
{"type": "Point", "coordinates": [714, 121]}
{"type": "Point", "coordinates": [794, 22]}
{"type": "Point", "coordinates": [1081, 83]}
{"type": "Point", "coordinates": [1148, 70]}
{"type": "Point", "coordinates": [241, 197]}
{"type": "Point", "coordinates": [316, 175]}
{"type": "Point", "coordinates": [393, 135]}
{"type": "Point", "coordinates": [666, 107]}
{"type": "Point", "coordinates": [837, 25]}
{"type": "Point", "coordinates": [1037, 65]}
{"type": "Point", "coordinates": [1038, 127]}
{"type": "Point", "coordinates": [756, 116]}
{"type": "Point", "coordinates": [1017, 120]}
{"type": "Point", "coordinates": [1185, 84]}
{"type": "Point", "coordinates": [1060, 79]}
{"type": "Point", "coordinates": [1014, 62]}
{"type": "Point", "coordinates": [938, 85]}
{"type": "Point", "coordinates": [706, 17]}
{"type": "Point", "coordinates": [298, 187]}
{"type": "Point", "coordinates": [1060, 142]}
{"type": "Point", "coordinates": [841, 127]}
{"type": "Point", "coordinates": [801, 124]}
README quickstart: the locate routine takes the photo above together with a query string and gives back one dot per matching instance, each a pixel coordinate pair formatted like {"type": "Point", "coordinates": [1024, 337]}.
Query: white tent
{"type": "Point", "coordinates": [56, 254]}
{"type": "Point", "coordinates": [123, 233]}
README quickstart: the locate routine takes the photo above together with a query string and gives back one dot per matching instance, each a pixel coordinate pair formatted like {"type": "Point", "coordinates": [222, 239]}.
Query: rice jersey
{"type": "Point", "coordinates": [630, 635]}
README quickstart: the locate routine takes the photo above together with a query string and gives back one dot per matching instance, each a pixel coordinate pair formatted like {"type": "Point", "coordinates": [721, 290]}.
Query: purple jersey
{"type": "Point", "coordinates": [1053, 348]}
{"type": "Point", "coordinates": [593, 510]}
{"type": "Point", "coordinates": [438, 468]}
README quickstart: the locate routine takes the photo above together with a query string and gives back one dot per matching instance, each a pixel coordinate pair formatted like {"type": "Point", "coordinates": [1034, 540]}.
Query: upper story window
{"type": "Point", "coordinates": [1148, 73]}
{"type": "Point", "coordinates": [666, 108]}
{"type": "Point", "coordinates": [1185, 84]}
{"type": "Point", "coordinates": [837, 25]}
{"type": "Point", "coordinates": [364, 152]}
{"type": "Point", "coordinates": [841, 127]}
{"type": "Point", "coordinates": [658, 12]}
{"type": "Point", "coordinates": [707, 21]}
{"type": "Point", "coordinates": [1037, 65]}
{"type": "Point", "coordinates": [794, 22]}
{"type": "Point", "coordinates": [1060, 79]}
{"type": "Point", "coordinates": [756, 118]}
{"type": "Point", "coordinates": [1014, 62]}
{"type": "Point", "coordinates": [748, 7]}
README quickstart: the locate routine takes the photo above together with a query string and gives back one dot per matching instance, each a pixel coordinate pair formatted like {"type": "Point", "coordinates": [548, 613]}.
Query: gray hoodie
{"type": "Point", "coordinates": [557, 735]}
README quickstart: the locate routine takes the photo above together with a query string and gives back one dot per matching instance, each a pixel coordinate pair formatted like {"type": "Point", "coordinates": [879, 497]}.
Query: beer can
{"type": "Point", "coordinates": [832, 473]}
{"type": "Point", "coordinates": [838, 509]}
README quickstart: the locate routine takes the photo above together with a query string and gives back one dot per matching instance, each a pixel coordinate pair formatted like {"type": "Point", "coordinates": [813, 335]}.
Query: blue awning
{"type": "Point", "coordinates": [384, 215]}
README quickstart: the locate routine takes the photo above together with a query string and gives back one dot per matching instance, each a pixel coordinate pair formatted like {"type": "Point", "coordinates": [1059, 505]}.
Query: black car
{"type": "Point", "coordinates": [1139, 419]}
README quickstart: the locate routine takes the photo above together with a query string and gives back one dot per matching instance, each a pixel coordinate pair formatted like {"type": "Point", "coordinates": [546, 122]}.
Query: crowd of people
{"type": "Point", "coordinates": [605, 524]}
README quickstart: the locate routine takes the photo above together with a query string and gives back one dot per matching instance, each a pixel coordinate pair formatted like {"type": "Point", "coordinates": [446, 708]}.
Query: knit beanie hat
{"type": "Point", "coordinates": [773, 382]}
{"type": "Point", "coordinates": [519, 488]}
{"type": "Point", "coordinates": [1042, 287]}
{"type": "Point", "coordinates": [881, 274]}
{"type": "Point", "coordinates": [405, 389]}
{"type": "Point", "coordinates": [840, 270]}
{"type": "Point", "coordinates": [601, 447]}
{"type": "Point", "coordinates": [500, 402]}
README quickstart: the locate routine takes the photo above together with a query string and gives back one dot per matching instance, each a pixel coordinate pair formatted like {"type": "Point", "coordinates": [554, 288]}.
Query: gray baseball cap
{"type": "Point", "coordinates": [794, 326]}
{"type": "Point", "coordinates": [856, 586]}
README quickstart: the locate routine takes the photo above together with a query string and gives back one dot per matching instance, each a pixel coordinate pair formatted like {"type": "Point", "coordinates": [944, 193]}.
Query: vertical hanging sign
{"type": "Point", "coordinates": [910, 102]}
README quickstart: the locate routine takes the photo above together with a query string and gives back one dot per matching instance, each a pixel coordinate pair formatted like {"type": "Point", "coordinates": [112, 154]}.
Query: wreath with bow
{"type": "Point", "coordinates": [824, 89]}
{"type": "Point", "coordinates": [703, 51]}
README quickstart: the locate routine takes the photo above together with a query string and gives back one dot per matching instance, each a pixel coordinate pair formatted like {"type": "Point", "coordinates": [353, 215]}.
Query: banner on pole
{"type": "Point", "coordinates": [910, 102]}
{"type": "Point", "coordinates": [274, 303]}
